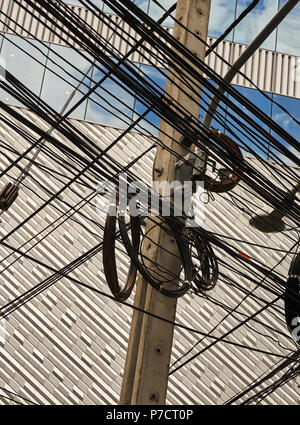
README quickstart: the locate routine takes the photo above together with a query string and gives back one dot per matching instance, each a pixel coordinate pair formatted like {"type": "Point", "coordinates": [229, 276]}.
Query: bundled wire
{"type": "Point", "coordinates": [109, 255]}
{"type": "Point", "coordinates": [294, 357]}
{"type": "Point", "coordinates": [92, 163]}
{"type": "Point", "coordinates": [266, 192]}
{"type": "Point", "coordinates": [184, 255]}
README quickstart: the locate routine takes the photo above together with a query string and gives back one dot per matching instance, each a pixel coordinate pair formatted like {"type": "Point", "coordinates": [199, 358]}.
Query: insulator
{"type": "Point", "coordinates": [8, 195]}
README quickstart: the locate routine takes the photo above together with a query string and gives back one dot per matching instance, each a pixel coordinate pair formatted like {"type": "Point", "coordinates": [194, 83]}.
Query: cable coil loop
{"type": "Point", "coordinates": [109, 256]}
{"type": "Point", "coordinates": [183, 251]}
{"type": "Point", "coordinates": [207, 273]}
{"type": "Point", "coordinates": [230, 176]}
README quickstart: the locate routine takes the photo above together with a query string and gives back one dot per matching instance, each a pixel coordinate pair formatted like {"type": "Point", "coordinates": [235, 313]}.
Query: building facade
{"type": "Point", "coordinates": [68, 344]}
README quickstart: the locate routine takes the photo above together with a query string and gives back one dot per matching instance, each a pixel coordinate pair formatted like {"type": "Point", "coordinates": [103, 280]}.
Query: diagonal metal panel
{"type": "Point", "coordinates": [68, 345]}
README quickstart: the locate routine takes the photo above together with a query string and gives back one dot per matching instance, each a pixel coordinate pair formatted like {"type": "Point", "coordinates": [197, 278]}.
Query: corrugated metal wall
{"type": "Point", "coordinates": [68, 345]}
{"type": "Point", "coordinates": [260, 68]}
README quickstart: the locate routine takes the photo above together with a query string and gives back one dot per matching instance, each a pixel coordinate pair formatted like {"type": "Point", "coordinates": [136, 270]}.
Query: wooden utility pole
{"type": "Point", "coordinates": [150, 341]}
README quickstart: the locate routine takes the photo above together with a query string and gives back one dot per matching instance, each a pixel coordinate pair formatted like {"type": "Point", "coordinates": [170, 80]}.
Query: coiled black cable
{"type": "Point", "coordinates": [183, 248]}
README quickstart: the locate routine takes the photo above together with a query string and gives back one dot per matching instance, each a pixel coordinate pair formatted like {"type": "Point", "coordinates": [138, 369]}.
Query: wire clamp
{"type": "Point", "coordinates": [8, 195]}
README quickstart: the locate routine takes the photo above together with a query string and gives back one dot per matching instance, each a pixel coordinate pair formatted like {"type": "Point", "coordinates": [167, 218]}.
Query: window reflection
{"type": "Point", "coordinates": [25, 62]}
{"type": "Point", "coordinates": [264, 105]}
{"type": "Point", "coordinates": [288, 40]}
{"type": "Point", "coordinates": [158, 80]}
{"type": "Point", "coordinates": [257, 19]}
{"type": "Point", "coordinates": [157, 12]}
{"type": "Point", "coordinates": [221, 16]}
{"type": "Point", "coordinates": [55, 90]}
{"type": "Point", "coordinates": [116, 104]}
{"type": "Point", "coordinates": [285, 121]}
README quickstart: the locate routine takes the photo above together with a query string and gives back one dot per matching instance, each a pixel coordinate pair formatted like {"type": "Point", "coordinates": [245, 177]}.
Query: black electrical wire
{"type": "Point", "coordinates": [11, 399]}
{"type": "Point", "coordinates": [17, 395]}
{"type": "Point", "coordinates": [159, 30]}
{"type": "Point", "coordinates": [294, 357]}
{"type": "Point", "coordinates": [243, 15]}
{"type": "Point", "coordinates": [61, 273]}
{"type": "Point", "coordinates": [68, 214]}
{"type": "Point", "coordinates": [280, 382]}
{"type": "Point", "coordinates": [235, 327]}
{"type": "Point", "coordinates": [228, 30]}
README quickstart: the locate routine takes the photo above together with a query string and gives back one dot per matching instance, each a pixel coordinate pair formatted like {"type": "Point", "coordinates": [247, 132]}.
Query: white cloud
{"type": "Point", "coordinates": [289, 33]}
{"type": "Point", "coordinates": [283, 119]}
{"type": "Point", "coordinates": [123, 101]}
{"type": "Point", "coordinates": [222, 15]}
{"type": "Point", "coordinates": [248, 29]}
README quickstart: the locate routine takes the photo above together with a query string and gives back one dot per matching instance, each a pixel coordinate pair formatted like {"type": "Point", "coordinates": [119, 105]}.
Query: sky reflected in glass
{"type": "Point", "coordinates": [264, 104]}
{"type": "Point", "coordinates": [17, 51]}
{"type": "Point", "coordinates": [58, 88]}
{"type": "Point", "coordinates": [117, 107]}
{"type": "Point", "coordinates": [286, 122]}
{"type": "Point", "coordinates": [257, 19]}
{"type": "Point", "coordinates": [158, 79]}
{"type": "Point", "coordinates": [290, 26]}
{"type": "Point", "coordinates": [116, 103]}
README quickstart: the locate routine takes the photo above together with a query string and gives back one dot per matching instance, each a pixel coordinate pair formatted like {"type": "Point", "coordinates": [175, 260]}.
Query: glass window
{"type": "Point", "coordinates": [142, 4]}
{"type": "Point", "coordinates": [288, 39]}
{"type": "Point", "coordinates": [157, 12]}
{"type": "Point", "coordinates": [221, 16]}
{"type": "Point", "coordinates": [250, 26]}
{"type": "Point", "coordinates": [285, 121]}
{"type": "Point", "coordinates": [25, 60]}
{"type": "Point", "coordinates": [264, 104]}
{"type": "Point", "coordinates": [114, 107]}
{"type": "Point", "coordinates": [158, 82]}
{"type": "Point", "coordinates": [57, 88]}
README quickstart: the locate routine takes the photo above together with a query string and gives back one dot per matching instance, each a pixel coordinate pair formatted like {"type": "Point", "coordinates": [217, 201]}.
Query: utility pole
{"type": "Point", "coordinates": [150, 341]}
